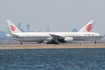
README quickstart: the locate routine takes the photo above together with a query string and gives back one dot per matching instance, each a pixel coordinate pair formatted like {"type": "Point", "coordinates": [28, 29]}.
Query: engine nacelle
{"type": "Point", "coordinates": [68, 39]}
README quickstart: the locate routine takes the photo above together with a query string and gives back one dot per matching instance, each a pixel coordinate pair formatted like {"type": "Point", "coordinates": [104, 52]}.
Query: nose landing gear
{"type": "Point", "coordinates": [21, 43]}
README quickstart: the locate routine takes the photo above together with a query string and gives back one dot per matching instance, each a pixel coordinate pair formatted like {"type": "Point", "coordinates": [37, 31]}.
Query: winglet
{"type": "Point", "coordinates": [12, 27]}
{"type": "Point", "coordinates": [88, 27]}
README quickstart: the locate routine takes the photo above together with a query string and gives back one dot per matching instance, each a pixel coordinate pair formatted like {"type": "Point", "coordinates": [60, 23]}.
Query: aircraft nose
{"type": "Point", "coordinates": [99, 34]}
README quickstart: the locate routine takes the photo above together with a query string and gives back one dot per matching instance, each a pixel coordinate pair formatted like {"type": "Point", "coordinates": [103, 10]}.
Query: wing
{"type": "Point", "coordinates": [56, 36]}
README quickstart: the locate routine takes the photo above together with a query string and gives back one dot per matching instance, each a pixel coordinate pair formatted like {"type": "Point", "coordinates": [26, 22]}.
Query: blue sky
{"type": "Point", "coordinates": [59, 15]}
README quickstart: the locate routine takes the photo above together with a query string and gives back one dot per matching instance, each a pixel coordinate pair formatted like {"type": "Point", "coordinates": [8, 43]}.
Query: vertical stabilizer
{"type": "Point", "coordinates": [88, 27]}
{"type": "Point", "coordinates": [12, 27]}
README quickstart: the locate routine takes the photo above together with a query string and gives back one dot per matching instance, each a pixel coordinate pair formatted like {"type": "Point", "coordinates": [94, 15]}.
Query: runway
{"type": "Point", "coordinates": [51, 46]}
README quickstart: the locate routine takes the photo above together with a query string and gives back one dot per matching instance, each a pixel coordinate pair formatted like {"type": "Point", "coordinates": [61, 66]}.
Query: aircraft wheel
{"type": "Point", "coordinates": [21, 43]}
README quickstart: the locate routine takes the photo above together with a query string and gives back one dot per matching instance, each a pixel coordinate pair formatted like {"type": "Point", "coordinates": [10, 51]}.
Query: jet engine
{"type": "Point", "coordinates": [68, 39]}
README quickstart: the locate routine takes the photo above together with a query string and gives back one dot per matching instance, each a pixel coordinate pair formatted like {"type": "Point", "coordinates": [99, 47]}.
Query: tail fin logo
{"type": "Point", "coordinates": [89, 27]}
{"type": "Point", "coordinates": [12, 28]}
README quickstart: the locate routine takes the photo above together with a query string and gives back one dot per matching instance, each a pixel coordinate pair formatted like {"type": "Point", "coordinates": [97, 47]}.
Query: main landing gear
{"type": "Point", "coordinates": [95, 43]}
{"type": "Point", "coordinates": [53, 42]}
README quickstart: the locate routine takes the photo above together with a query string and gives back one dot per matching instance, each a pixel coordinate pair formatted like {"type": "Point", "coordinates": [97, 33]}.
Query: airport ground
{"type": "Point", "coordinates": [50, 46]}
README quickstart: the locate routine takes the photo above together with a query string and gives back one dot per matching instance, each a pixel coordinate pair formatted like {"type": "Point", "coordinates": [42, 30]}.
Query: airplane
{"type": "Point", "coordinates": [84, 34]}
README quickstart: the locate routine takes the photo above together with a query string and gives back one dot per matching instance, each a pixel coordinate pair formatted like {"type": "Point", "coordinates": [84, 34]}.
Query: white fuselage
{"type": "Point", "coordinates": [42, 36]}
